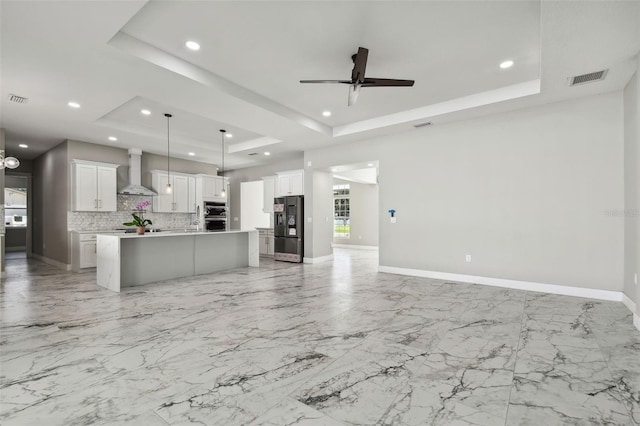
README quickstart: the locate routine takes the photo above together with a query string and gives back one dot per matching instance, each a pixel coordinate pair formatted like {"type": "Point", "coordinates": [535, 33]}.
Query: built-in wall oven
{"type": "Point", "coordinates": [215, 216]}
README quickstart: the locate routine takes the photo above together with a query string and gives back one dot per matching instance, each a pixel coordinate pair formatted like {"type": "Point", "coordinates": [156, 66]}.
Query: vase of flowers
{"type": "Point", "coordinates": [138, 219]}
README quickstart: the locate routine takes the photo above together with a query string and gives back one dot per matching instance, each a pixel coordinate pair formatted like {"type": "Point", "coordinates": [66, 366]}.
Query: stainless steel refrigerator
{"type": "Point", "coordinates": [288, 228]}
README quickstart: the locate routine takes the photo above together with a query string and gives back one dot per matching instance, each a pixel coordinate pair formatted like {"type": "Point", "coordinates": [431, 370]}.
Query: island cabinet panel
{"type": "Point", "coordinates": [129, 259]}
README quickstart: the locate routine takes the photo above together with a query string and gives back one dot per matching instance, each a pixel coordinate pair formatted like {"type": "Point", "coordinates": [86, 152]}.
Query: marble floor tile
{"type": "Point", "coordinates": [332, 343]}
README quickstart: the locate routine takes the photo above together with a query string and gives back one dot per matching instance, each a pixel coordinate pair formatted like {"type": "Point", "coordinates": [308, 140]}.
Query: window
{"type": "Point", "coordinates": [341, 211]}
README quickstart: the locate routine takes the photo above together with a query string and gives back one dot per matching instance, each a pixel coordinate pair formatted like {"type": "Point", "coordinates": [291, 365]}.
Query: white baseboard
{"type": "Point", "coordinates": [636, 321]}
{"type": "Point", "coordinates": [629, 303]}
{"type": "Point", "coordinates": [615, 296]}
{"type": "Point", "coordinates": [317, 259]}
{"type": "Point", "coordinates": [353, 246]}
{"type": "Point", "coordinates": [66, 267]}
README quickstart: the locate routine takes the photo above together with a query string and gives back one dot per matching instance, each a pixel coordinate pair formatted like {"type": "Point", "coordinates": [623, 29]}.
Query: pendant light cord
{"type": "Point", "coordinates": [168, 169]}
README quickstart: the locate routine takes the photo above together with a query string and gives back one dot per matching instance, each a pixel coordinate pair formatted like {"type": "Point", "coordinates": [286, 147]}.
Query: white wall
{"type": "Point", "coordinates": [526, 193]}
{"type": "Point", "coordinates": [318, 206]}
{"type": "Point", "coordinates": [252, 202]}
{"type": "Point", "coordinates": [631, 186]}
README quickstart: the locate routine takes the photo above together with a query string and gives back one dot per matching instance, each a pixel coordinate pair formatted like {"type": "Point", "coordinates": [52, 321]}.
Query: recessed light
{"type": "Point", "coordinates": [23, 145]}
{"type": "Point", "coordinates": [326, 113]}
{"type": "Point", "coordinates": [506, 64]}
{"type": "Point", "coordinates": [113, 138]}
{"type": "Point", "coordinates": [333, 169]}
{"type": "Point", "coordinates": [145, 112]}
{"type": "Point", "coordinates": [369, 165]}
{"type": "Point", "coordinates": [267, 153]}
{"type": "Point", "coordinates": [192, 154]}
{"type": "Point", "coordinates": [73, 104]}
{"type": "Point", "coordinates": [229, 135]}
{"type": "Point", "coordinates": [192, 45]}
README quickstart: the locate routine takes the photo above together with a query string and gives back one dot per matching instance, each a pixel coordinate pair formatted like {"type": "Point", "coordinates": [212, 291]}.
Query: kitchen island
{"type": "Point", "coordinates": [128, 259]}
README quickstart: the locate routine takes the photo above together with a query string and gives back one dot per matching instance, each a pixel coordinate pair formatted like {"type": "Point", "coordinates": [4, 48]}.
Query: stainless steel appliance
{"type": "Point", "coordinates": [215, 216]}
{"type": "Point", "coordinates": [288, 230]}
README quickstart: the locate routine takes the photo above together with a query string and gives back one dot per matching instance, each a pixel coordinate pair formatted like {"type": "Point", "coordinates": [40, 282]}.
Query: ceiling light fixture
{"type": "Point", "coordinates": [23, 145]}
{"type": "Point", "coordinates": [147, 112]}
{"type": "Point", "coordinates": [73, 104]}
{"type": "Point", "coordinates": [267, 153]}
{"type": "Point", "coordinates": [326, 113]}
{"type": "Point", "coordinates": [113, 138]}
{"type": "Point", "coordinates": [168, 169]}
{"type": "Point", "coordinates": [223, 193]}
{"type": "Point", "coordinates": [370, 165]}
{"type": "Point", "coordinates": [191, 154]}
{"type": "Point", "coordinates": [229, 135]}
{"type": "Point", "coordinates": [506, 64]}
{"type": "Point", "coordinates": [192, 45]}
{"type": "Point", "coordinates": [8, 162]}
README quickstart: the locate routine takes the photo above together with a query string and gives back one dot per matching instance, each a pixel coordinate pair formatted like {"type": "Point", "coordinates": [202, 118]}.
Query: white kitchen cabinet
{"type": "Point", "coordinates": [290, 183]}
{"type": "Point", "coordinates": [266, 242]}
{"type": "Point", "coordinates": [182, 196]}
{"type": "Point", "coordinates": [269, 193]}
{"type": "Point", "coordinates": [93, 186]}
{"type": "Point", "coordinates": [211, 186]}
{"type": "Point", "coordinates": [84, 249]}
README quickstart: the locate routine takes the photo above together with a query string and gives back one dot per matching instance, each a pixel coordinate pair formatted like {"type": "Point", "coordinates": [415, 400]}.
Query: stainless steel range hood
{"type": "Point", "coordinates": [135, 172]}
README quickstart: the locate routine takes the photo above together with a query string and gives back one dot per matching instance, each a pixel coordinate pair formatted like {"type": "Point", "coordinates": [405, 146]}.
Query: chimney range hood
{"type": "Point", "coordinates": [135, 172]}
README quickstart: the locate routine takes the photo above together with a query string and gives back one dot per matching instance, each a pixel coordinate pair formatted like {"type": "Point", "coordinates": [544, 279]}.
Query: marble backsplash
{"type": "Point", "coordinates": [102, 221]}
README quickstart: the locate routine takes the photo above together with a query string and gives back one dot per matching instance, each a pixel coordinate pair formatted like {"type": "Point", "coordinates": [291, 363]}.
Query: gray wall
{"type": "Point", "coordinates": [318, 206]}
{"type": "Point", "coordinates": [50, 204]}
{"type": "Point", "coordinates": [364, 214]}
{"type": "Point", "coordinates": [526, 193]}
{"type": "Point", "coordinates": [249, 174]}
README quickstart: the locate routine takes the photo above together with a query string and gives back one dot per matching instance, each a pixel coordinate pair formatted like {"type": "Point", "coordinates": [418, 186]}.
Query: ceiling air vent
{"type": "Point", "coordinates": [18, 99]}
{"type": "Point", "coordinates": [588, 78]}
{"type": "Point", "coordinates": [428, 123]}
{"type": "Point", "coordinates": [252, 153]}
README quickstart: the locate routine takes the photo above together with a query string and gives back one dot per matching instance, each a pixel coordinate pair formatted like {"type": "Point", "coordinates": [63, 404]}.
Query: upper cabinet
{"type": "Point", "coordinates": [269, 192]}
{"type": "Point", "coordinates": [211, 186]}
{"type": "Point", "coordinates": [182, 197]}
{"type": "Point", "coordinates": [93, 186]}
{"type": "Point", "coordinates": [290, 183]}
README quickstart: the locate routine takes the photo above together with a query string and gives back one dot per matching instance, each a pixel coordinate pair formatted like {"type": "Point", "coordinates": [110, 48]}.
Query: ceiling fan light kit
{"type": "Point", "coordinates": [358, 79]}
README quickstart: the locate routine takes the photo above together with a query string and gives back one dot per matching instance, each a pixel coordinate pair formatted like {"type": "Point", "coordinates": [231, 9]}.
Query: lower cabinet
{"type": "Point", "coordinates": [266, 240]}
{"type": "Point", "coordinates": [84, 250]}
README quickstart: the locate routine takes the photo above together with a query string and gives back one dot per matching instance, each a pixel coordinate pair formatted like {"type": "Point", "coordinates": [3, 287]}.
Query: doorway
{"type": "Point", "coordinates": [17, 217]}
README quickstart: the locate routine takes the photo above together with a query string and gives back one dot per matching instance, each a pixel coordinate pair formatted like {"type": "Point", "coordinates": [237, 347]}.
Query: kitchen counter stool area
{"type": "Point", "coordinates": [128, 260]}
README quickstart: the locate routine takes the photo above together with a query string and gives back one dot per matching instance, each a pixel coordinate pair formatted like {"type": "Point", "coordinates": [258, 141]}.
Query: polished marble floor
{"type": "Point", "coordinates": [333, 343]}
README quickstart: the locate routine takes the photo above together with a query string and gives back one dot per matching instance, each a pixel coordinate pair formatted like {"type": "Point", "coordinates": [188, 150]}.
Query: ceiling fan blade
{"type": "Point", "coordinates": [354, 91]}
{"type": "Point", "coordinates": [359, 65]}
{"type": "Point", "coordinates": [382, 82]}
{"type": "Point", "coordinates": [327, 81]}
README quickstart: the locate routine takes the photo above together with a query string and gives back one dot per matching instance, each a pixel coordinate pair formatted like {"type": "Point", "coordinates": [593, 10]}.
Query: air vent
{"type": "Point", "coordinates": [588, 78]}
{"type": "Point", "coordinates": [252, 153]}
{"type": "Point", "coordinates": [18, 99]}
{"type": "Point", "coordinates": [428, 123]}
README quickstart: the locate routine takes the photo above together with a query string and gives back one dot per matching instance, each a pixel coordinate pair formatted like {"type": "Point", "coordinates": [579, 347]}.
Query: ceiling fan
{"type": "Point", "coordinates": [358, 80]}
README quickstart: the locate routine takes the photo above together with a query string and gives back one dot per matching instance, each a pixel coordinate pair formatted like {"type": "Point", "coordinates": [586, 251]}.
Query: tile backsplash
{"type": "Point", "coordinates": [102, 221]}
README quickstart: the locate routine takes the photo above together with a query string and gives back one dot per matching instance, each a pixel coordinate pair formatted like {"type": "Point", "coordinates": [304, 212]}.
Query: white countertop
{"type": "Point", "coordinates": [172, 233]}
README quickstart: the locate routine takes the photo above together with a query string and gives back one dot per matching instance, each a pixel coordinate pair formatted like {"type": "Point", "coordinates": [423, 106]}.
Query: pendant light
{"type": "Point", "coordinates": [8, 162]}
{"type": "Point", "coordinates": [223, 193]}
{"type": "Point", "coordinates": [168, 169]}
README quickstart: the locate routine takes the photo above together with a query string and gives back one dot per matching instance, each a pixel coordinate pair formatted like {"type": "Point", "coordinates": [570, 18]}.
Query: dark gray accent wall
{"type": "Point", "coordinates": [50, 204]}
